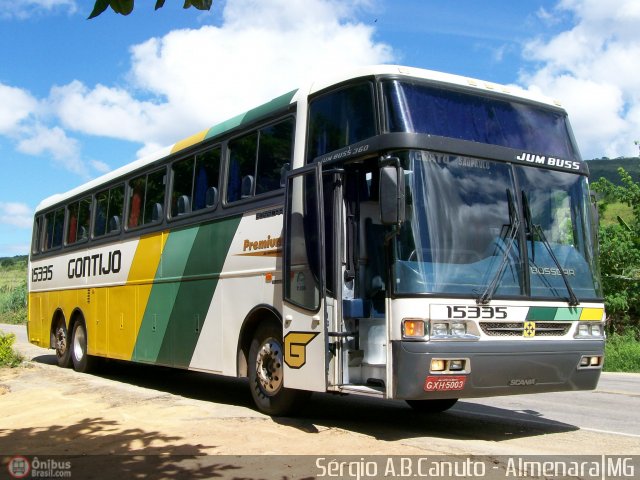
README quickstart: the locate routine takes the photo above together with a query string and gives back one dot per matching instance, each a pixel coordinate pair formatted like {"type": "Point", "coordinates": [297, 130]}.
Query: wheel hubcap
{"type": "Point", "coordinates": [79, 342]}
{"type": "Point", "coordinates": [269, 367]}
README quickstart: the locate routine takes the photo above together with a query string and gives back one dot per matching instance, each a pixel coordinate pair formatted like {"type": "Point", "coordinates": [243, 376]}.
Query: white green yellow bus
{"type": "Point", "coordinates": [393, 232]}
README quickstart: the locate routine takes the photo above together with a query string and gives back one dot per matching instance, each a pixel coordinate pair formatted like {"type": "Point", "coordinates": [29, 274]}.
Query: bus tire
{"type": "Point", "coordinates": [82, 361]}
{"type": "Point", "coordinates": [62, 344]}
{"type": "Point", "coordinates": [432, 406]}
{"type": "Point", "coordinates": [266, 368]}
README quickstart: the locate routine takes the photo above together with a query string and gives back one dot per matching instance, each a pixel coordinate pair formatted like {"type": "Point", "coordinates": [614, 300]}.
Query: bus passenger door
{"type": "Point", "coordinates": [304, 306]}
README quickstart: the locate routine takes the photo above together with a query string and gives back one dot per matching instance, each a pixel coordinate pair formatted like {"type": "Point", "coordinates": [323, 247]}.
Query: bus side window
{"type": "Point", "coordinates": [37, 233]}
{"type": "Point", "coordinates": [258, 162]}
{"type": "Point", "coordinates": [54, 224]}
{"type": "Point", "coordinates": [78, 221]}
{"type": "Point", "coordinates": [72, 223]}
{"type": "Point", "coordinates": [274, 155]}
{"type": "Point", "coordinates": [242, 165]}
{"type": "Point", "coordinates": [137, 186]}
{"type": "Point", "coordinates": [109, 204]}
{"type": "Point", "coordinates": [206, 175]}
{"type": "Point", "coordinates": [182, 172]}
{"type": "Point", "coordinates": [154, 197]}
{"type": "Point", "coordinates": [146, 202]}
{"type": "Point", "coordinates": [195, 182]}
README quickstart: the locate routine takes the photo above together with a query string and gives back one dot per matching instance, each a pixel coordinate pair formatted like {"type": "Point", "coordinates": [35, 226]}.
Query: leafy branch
{"type": "Point", "coordinates": [125, 7]}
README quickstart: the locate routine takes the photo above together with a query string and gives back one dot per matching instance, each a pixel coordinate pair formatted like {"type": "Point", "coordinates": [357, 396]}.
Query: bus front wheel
{"type": "Point", "coordinates": [82, 362]}
{"type": "Point", "coordinates": [266, 368]}
{"type": "Point", "coordinates": [432, 406]}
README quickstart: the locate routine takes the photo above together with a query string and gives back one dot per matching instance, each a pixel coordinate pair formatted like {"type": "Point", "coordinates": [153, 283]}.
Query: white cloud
{"type": "Point", "coordinates": [54, 141]}
{"type": "Point", "coordinates": [197, 77]}
{"type": "Point", "coordinates": [22, 9]}
{"type": "Point", "coordinates": [16, 105]}
{"type": "Point", "coordinates": [16, 214]}
{"type": "Point", "coordinates": [23, 120]}
{"type": "Point", "coordinates": [593, 69]}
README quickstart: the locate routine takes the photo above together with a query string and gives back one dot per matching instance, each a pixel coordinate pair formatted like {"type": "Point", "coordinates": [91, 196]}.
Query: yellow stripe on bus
{"type": "Point", "coordinates": [187, 142]}
{"type": "Point", "coordinates": [127, 303]}
{"type": "Point", "coordinates": [594, 314]}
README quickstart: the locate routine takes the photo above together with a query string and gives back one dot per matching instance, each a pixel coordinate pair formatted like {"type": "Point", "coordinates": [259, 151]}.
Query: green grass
{"type": "Point", "coordinates": [622, 353]}
{"type": "Point", "coordinates": [13, 290]}
{"type": "Point", "coordinates": [615, 210]}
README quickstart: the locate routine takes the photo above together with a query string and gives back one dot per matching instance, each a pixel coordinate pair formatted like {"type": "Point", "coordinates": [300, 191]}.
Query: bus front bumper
{"type": "Point", "coordinates": [493, 368]}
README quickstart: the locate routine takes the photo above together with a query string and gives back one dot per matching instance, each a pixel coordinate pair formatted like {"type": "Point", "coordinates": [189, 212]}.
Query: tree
{"type": "Point", "coordinates": [620, 254]}
{"type": "Point", "coordinates": [125, 7]}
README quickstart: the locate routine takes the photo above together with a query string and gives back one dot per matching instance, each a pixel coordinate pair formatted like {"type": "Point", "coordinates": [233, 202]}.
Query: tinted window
{"type": "Point", "coordinates": [258, 161]}
{"type": "Point", "coordinates": [195, 182]}
{"type": "Point", "coordinates": [109, 207]}
{"type": "Point", "coordinates": [274, 156]}
{"type": "Point", "coordinates": [79, 214]}
{"type": "Point", "coordinates": [242, 165]}
{"type": "Point", "coordinates": [37, 231]}
{"type": "Point", "coordinates": [54, 225]}
{"type": "Point", "coordinates": [340, 118]}
{"type": "Point", "coordinates": [419, 108]}
{"type": "Point", "coordinates": [146, 199]}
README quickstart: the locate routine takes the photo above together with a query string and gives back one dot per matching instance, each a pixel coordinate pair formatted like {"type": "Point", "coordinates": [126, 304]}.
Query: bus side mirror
{"type": "Point", "coordinates": [392, 190]}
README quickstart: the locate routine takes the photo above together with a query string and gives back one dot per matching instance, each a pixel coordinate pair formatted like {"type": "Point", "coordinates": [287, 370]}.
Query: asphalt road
{"type": "Point", "coordinates": [604, 421]}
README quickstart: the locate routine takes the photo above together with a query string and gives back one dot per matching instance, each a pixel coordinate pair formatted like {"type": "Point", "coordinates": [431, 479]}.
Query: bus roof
{"type": "Point", "coordinates": [292, 97]}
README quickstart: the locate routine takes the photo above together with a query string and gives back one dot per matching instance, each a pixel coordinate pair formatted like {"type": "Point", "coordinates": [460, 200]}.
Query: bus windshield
{"type": "Point", "coordinates": [471, 222]}
{"type": "Point", "coordinates": [420, 108]}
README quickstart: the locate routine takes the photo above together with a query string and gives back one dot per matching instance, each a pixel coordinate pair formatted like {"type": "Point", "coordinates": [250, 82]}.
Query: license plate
{"type": "Point", "coordinates": [444, 383]}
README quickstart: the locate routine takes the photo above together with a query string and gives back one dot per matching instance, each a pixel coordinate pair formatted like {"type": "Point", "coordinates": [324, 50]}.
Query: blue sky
{"type": "Point", "coordinates": [79, 98]}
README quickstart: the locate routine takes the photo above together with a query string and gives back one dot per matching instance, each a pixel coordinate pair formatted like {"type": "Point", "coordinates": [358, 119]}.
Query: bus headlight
{"type": "Point", "coordinates": [439, 329]}
{"type": "Point", "coordinates": [453, 330]}
{"type": "Point", "coordinates": [589, 330]}
{"type": "Point", "coordinates": [458, 329]}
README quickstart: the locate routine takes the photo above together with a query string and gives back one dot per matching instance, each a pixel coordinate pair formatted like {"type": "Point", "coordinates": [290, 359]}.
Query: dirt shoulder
{"type": "Point", "coordinates": [132, 410]}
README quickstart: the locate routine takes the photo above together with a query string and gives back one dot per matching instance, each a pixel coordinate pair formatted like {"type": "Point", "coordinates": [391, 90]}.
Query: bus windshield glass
{"type": "Point", "coordinates": [420, 108]}
{"type": "Point", "coordinates": [472, 222]}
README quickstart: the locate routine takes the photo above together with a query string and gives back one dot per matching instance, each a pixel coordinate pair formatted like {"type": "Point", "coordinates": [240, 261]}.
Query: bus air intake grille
{"type": "Point", "coordinates": [516, 329]}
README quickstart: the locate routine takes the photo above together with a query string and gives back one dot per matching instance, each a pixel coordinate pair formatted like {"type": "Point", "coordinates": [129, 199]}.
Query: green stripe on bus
{"type": "Point", "coordinates": [193, 296]}
{"type": "Point", "coordinates": [568, 313]}
{"type": "Point", "coordinates": [155, 320]}
{"type": "Point", "coordinates": [540, 314]}
{"type": "Point", "coordinates": [276, 104]}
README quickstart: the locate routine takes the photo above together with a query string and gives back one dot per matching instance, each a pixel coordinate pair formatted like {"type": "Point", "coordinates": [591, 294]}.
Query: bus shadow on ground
{"type": "Point", "coordinates": [395, 420]}
{"type": "Point", "coordinates": [382, 419]}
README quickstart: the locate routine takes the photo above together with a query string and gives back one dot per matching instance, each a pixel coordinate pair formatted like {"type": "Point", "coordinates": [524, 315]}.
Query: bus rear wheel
{"type": "Point", "coordinates": [266, 369]}
{"type": "Point", "coordinates": [82, 362]}
{"type": "Point", "coordinates": [432, 406]}
{"type": "Point", "coordinates": [62, 344]}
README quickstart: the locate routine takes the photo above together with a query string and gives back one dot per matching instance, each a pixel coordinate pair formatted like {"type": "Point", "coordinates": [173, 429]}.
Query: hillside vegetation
{"type": "Point", "coordinates": [606, 168]}
{"type": "Point", "coordinates": [13, 289]}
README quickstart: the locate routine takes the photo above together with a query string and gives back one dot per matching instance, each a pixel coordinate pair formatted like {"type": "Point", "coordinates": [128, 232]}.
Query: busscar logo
{"type": "Point", "coordinates": [295, 348]}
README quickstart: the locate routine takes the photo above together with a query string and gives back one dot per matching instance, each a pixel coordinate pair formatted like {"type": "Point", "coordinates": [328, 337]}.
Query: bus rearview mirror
{"type": "Point", "coordinates": [392, 191]}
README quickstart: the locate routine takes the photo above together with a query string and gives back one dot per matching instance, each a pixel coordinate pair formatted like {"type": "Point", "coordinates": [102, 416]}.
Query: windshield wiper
{"type": "Point", "coordinates": [508, 238]}
{"type": "Point", "coordinates": [532, 230]}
